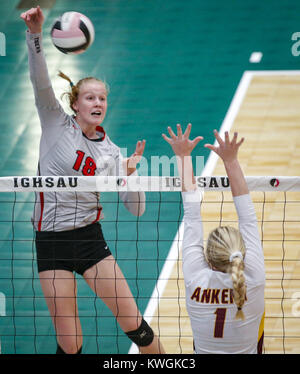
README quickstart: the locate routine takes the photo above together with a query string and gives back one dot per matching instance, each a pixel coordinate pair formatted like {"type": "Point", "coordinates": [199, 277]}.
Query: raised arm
{"type": "Point", "coordinates": [52, 116]}
{"type": "Point", "coordinates": [192, 247]}
{"type": "Point", "coordinates": [38, 70]}
{"type": "Point", "coordinates": [228, 150]}
{"type": "Point", "coordinates": [44, 95]}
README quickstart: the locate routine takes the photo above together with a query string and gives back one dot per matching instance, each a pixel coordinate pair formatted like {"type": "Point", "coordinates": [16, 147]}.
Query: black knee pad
{"type": "Point", "coordinates": [142, 336]}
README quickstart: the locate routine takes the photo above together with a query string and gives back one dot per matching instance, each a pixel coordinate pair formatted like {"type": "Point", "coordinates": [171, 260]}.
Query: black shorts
{"type": "Point", "coordinates": [75, 250]}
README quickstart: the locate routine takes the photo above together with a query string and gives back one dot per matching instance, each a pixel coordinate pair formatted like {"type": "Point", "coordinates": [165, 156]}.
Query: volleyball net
{"type": "Point", "coordinates": [148, 250]}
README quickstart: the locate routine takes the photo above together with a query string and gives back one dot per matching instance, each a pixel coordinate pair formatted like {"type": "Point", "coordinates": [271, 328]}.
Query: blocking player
{"type": "Point", "coordinates": [224, 280]}
{"type": "Point", "coordinates": [68, 233]}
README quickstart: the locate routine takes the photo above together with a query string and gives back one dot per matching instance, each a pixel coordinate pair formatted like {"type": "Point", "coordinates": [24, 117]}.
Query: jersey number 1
{"type": "Point", "coordinates": [89, 166]}
{"type": "Point", "coordinates": [219, 323]}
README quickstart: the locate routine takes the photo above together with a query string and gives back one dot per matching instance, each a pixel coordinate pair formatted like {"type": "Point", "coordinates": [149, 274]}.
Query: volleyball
{"type": "Point", "coordinates": [72, 33]}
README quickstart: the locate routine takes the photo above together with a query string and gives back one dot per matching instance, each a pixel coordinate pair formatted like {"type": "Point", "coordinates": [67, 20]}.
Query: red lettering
{"type": "Point", "coordinates": [79, 159]}
{"type": "Point", "coordinates": [89, 166]}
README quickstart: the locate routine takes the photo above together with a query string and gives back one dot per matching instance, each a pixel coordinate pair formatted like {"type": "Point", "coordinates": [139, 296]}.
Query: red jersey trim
{"type": "Point", "coordinates": [42, 210]}
{"type": "Point", "coordinates": [98, 215]}
{"type": "Point", "coordinates": [101, 129]}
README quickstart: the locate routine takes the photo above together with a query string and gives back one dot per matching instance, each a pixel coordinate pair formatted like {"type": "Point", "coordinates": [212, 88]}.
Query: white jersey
{"type": "Point", "coordinates": [65, 150]}
{"type": "Point", "coordinates": [209, 294]}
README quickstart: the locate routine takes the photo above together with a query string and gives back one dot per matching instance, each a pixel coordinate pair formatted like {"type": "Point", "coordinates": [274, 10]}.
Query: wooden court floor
{"type": "Point", "coordinates": [269, 119]}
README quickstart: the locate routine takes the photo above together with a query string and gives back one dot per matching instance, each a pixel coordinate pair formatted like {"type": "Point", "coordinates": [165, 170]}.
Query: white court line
{"type": "Point", "coordinates": [207, 171]}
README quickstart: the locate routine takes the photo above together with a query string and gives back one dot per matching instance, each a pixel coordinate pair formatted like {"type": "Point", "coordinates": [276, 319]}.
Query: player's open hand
{"type": "Point", "coordinates": [180, 143]}
{"type": "Point", "coordinates": [227, 149]}
{"type": "Point", "coordinates": [34, 19]}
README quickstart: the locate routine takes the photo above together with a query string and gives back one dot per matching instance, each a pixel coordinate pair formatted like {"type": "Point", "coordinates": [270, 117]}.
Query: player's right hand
{"type": "Point", "coordinates": [34, 19]}
{"type": "Point", "coordinates": [180, 143]}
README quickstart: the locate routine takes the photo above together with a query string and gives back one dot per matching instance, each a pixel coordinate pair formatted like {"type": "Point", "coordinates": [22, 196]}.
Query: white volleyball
{"type": "Point", "coordinates": [72, 33]}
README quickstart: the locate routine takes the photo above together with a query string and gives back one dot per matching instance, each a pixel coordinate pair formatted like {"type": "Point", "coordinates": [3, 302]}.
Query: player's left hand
{"type": "Point", "coordinates": [136, 157]}
{"type": "Point", "coordinates": [226, 149]}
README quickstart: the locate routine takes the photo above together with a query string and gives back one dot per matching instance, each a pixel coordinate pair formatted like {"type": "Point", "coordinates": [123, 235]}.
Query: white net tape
{"type": "Point", "coordinates": [140, 183]}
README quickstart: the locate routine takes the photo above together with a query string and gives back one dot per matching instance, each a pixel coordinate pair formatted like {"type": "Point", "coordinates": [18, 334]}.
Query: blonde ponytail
{"type": "Point", "coordinates": [225, 252]}
{"type": "Point", "coordinates": [64, 76]}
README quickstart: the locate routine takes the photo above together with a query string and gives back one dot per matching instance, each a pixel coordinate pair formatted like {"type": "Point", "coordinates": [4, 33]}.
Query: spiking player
{"type": "Point", "coordinates": [68, 235]}
{"type": "Point", "coordinates": [224, 281]}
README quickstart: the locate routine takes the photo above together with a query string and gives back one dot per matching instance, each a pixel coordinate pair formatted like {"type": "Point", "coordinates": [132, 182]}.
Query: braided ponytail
{"type": "Point", "coordinates": [239, 286]}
